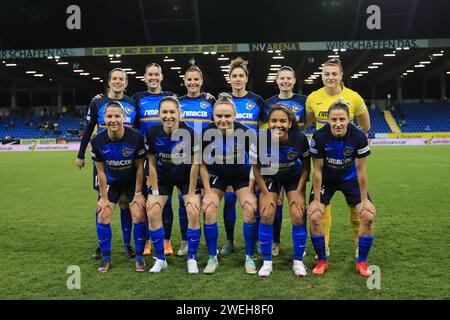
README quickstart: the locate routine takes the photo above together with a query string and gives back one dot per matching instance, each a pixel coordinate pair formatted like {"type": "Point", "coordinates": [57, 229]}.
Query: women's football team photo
{"type": "Point", "coordinates": [209, 148]}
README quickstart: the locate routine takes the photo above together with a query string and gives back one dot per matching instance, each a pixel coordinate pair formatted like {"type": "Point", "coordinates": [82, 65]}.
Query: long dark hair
{"type": "Point", "coordinates": [287, 110]}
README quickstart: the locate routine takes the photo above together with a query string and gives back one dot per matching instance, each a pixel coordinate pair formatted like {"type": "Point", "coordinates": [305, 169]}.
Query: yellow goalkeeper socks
{"type": "Point", "coordinates": [327, 224]}
{"type": "Point", "coordinates": [355, 221]}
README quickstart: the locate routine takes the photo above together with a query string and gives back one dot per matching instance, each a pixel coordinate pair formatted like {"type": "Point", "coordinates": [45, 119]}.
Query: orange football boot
{"type": "Point", "coordinates": [321, 267]}
{"type": "Point", "coordinates": [148, 248]}
{"type": "Point", "coordinates": [168, 249]}
{"type": "Point", "coordinates": [363, 269]}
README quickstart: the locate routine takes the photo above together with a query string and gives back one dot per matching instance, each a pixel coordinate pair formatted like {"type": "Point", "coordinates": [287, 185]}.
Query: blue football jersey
{"type": "Point", "coordinates": [296, 103]}
{"type": "Point", "coordinates": [96, 112]}
{"type": "Point", "coordinates": [148, 108]}
{"type": "Point", "coordinates": [339, 154]}
{"type": "Point", "coordinates": [250, 110]}
{"type": "Point", "coordinates": [173, 153]}
{"type": "Point", "coordinates": [285, 160]}
{"type": "Point", "coordinates": [196, 112]}
{"type": "Point", "coordinates": [224, 156]}
{"type": "Point", "coordinates": [119, 156]}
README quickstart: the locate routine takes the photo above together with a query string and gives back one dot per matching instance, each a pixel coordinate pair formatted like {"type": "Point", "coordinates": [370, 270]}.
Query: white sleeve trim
{"type": "Point", "coordinates": [363, 150]}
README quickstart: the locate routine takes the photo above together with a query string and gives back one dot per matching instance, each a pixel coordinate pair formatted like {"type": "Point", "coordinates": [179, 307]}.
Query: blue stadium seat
{"type": "Point", "coordinates": [22, 130]}
{"type": "Point", "coordinates": [433, 117]}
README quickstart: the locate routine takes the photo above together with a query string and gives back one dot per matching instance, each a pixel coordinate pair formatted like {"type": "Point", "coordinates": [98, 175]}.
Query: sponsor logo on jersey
{"type": "Point", "coordinates": [339, 162]}
{"type": "Point", "coordinates": [151, 112]}
{"type": "Point", "coordinates": [323, 114]}
{"type": "Point", "coordinates": [195, 114]}
{"type": "Point", "coordinates": [348, 150]}
{"type": "Point", "coordinates": [204, 104]}
{"type": "Point", "coordinates": [173, 157]}
{"type": "Point", "coordinates": [126, 152]}
{"type": "Point", "coordinates": [291, 155]}
{"type": "Point", "coordinates": [282, 166]}
{"type": "Point", "coordinates": [245, 116]}
{"type": "Point", "coordinates": [118, 163]}
{"type": "Point", "coordinates": [250, 106]}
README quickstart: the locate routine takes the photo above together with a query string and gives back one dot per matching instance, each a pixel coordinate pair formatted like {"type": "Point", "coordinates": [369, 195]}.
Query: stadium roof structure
{"type": "Point", "coordinates": [413, 43]}
{"type": "Point", "coordinates": [42, 23]}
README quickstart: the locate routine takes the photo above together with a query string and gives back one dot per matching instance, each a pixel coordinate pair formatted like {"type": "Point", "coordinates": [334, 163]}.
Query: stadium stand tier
{"type": "Point", "coordinates": [410, 117]}
{"type": "Point", "coordinates": [19, 127]}
{"type": "Point", "coordinates": [426, 117]}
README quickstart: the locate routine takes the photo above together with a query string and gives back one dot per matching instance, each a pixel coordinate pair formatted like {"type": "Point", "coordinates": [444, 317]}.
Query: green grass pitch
{"type": "Point", "coordinates": [47, 224]}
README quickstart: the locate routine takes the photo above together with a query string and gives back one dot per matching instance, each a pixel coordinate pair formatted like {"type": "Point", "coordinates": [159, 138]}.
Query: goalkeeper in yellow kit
{"type": "Point", "coordinates": [317, 105]}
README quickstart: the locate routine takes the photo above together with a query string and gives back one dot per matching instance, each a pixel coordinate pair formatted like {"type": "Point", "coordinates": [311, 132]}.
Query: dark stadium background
{"type": "Point", "coordinates": [32, 24]}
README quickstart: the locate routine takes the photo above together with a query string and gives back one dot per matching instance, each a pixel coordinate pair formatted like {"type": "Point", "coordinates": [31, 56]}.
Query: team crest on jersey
{"type": "Point", "coordinates": [348, 150]}
{"type": "Point", "coordinates": [250, 106]}
{"type": "Point", "coordinates": [204, 104]}
{"type": "Point", "coordinates": [128, 110]}
{"type": "Point", "coordinates": [295, 108]}
{"type": "Point", "coordinates": [126, 152]}
{"type": "Point", "coordinates": [291, 155]}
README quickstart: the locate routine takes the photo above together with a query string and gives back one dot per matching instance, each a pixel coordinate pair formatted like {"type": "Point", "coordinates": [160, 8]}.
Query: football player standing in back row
{"type": "Point", "coordinates": [317, 105]}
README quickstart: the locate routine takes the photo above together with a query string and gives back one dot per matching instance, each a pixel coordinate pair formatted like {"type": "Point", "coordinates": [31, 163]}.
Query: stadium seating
{"type": "Point", "coordinates": [24, 130]}
{"type": "Point", "coordinates": [427, 117]}
{"type": "Point", "coordinates": [378, 123]}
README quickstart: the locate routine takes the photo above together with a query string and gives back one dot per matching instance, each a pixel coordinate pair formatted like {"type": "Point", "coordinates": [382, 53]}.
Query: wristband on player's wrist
{"type": "Point", "coordinates": [152, 192]}
{"type": "Point", "coordinates": [138, 193]}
